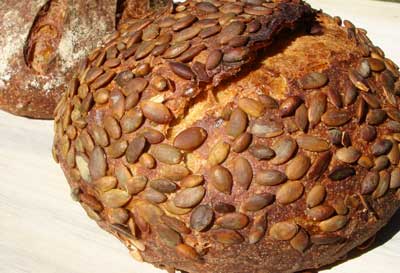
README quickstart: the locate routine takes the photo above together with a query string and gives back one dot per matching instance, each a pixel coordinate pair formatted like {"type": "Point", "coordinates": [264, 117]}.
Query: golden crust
{"type": "Point", "coordinates": [304, 118]}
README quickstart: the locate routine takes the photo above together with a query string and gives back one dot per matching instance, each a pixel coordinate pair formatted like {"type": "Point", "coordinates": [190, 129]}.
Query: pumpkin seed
{"type": "Point", "coordinates": [261, 152]}
{"type": "Point", "coordinates": [316, 196]}
{"type": "Point", "coordinates": [298, 167]}
{"type": "Point", "coordinates": [115, 198]}
{"type": "Point", "coordinates": [237, 123]}
{"type": "Point", "coordinates": [187, 251]}
{"type": "Point", "coordinates": [242, 142]}
{"type": "Point", "coordinates": [381, 147]}
{"type": "Point", "coordinates": [131, 121]}
{"type": "Point", "coordinates": [117, 149]}
{"type": "Point", "coordinates": [136, 184]}
{"type": "Point", "coordinates": [251, 107]}
{"type": "Point", "coordinates": [395, 178]}
{"type": "Point", "coordinates": [97, 163]}
{"type": "Point", "coordinates": [218, 153]}
{"type": "Point", "coordinates": [156, 112]}
{"type": "Point", "coordinates": [383, 185]}
{"type": "Point", "coordinates": [320, 165]}
{"type": "Point", "coordinates": [283, 231]}
{"type": "Point", "coordinates": [242, 172]}
{"type": "Point", "coordinates": [174, 172]}
{"type": "Point", "coordinates": [190, 139]}
{"type": "Point", "coordinates": [270, 177]}
{"type": "Point", "coordinates": [320, 213]}
{"type": "Point", "coordinates": [191, 181]}
{"type": "Point", "coordinates": [368, 133]}
{"type": "Point", "coordinates": [266, 128]}
{"type": "Point", "coordinates": [201, 218]}
{"type": "Point", "coordinates": [348, 155]}
{"type": "Point", "coordinates": [289, 192]}
{"type": "Point", "coordinates": [301, 241]}
{"type": "Point", "coordinates": [135, 149]}
{"type": "Point", "coordinates": [166, 153]}
{"type": "Point", "coordinates": [341, 172]}
{"type": "Point", "coordinates": [258, 229]}
{"type": "Point", "coordinates": [257, 202]}
{"type": "Point", "coordinates": [313, 80]}
{"type": "Point", "coordinates": [234, 220]}
{"type": "Point", "coordinates": [189, 197]}
{"type": "Point", "coordinates": [333, 224]}
{"type": "Point", "coordinates": [312, 143]}
{"type": "Point", "coordinates": [289, 106]}
{"type": "Point", "coordinates": [301, 118]}
{"type": "Point", "coordinates": [163, 185]}
{"type": "Point", "coordinates": [154, 196]}
{"type": "Point", "coordinates": [336, 117]}
{"type": "Point", "coordinates": [227, 237]}
{"type": "Point", "coordinates": [284, 150]}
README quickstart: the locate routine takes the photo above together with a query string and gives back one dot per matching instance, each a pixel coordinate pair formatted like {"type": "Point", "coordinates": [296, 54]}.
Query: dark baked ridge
{"type": "Point", "coordinates": [356, 208]}
{"type": "Point", "coordinates": [42, 43]}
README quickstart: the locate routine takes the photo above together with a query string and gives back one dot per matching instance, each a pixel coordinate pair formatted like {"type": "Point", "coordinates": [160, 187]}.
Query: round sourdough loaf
{"type": "Point", "coordinates": [235, 136]}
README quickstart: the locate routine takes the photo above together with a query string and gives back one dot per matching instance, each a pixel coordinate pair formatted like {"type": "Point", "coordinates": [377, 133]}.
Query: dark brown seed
{"type": "Point", "coordinates": [242, 142]}
{"type": "Point", "coordinates": [257, 202]}
{"type": "Point", "coordinates": [209, 31]}
{"type": "Point", "coordinates": [383, 185]}
{"type": "Point", "coordinates": [199, 70]}
{"type": "Point", "coordinates": [131, 121]}
{"type": "Point", "coordinates": [227, 237]}
{"type": "Point", "coordinates": [190, 139]}
{"type": "Point", "coordinates": [187, 34]}
{"type": "Point", "coordinates": [312, 143]}
{"type": "Point", "coordinates": [163, 185]}
{"type": "Point", "coordinates": [368, 133]}
{"type": "Point", "coordinates": [136, 85]}
{"type": "Point", "coordinates": [221, 179]}
{"type": "Point", "coordinates": [93, 74]}
{"type": "Point", "coordinates": [393, 126]}
{"type": "Point", "coordinates": [270, 177]}
{"type": "Point", "coordinates": [159, 50]}
{"type": "Point", "coordinates": [224, 207]}
{"type": "Point", "coordinates": [317, 107]}
{"type": "Point", "coordinates": [187, 252]}
{"type": "Point", "coordinates": [159, 83]}
{"type": "Point", "coordinates": [242, 172]}
{"type": "Point", "coordinates": [237, 123]}
{"type": "Point", "coordinates": [135, 149]}
{"type": "Point", "coordinates": [201, 218]}
{"type": "Point", "coordinates": [313, 80]}
{"type": "Point", "coordinates": [97, 163]}
{"type": "Point", "coordinates": [284, 150]}
{"type": "Point", "coordinates": [237, 54]}
{"type": "Point", "coordinates": [301, 117]}
{"type": "Point", "coordinates": [168, 236]}
{"type": "Point", "coordinates": [298, 167]}
{"type": "Point", "coordinates": [350, 95]}
{"type": "Point", "coordinates": [320, 213]}
{"type": "Point", "coordinates": [269, 102]}
{"type": "Point", "coordinates": [381, 147]}
{"type": "Point", "coordinates": [184, 22]}
{"type": "Point", "coordinates": [393, 113]}
{"type": "Point", "coordinates": [341, 172]}
{"type": "Point", "coordinates": [320, 165]}
{"type": "Point", "coordinates": [182, 70]}
{"type": "Point", "coordinates": [266, 128]}
{"type": "Point", "coordinates": [238, 41]}
{"type": "Point", "coordinates": [361, 110]}
{"type": "Point", "coordinates": [214, 59]}
{"type": "Point", "coordinates": [103, 80]}
{"type": "Point", "coordinates": [189, 197]}
{"type": "Point", "coordinates": [207, 22]}
{"type": "Point", "coordinates": [175, 224]}
{"type": "Point", "coordinates": [176, 49]}
{"type": "Point", "coordinates": [333, 224]}
{"type": "Point", "coordinates": [301, 241]}
{"type": "Point", "coordinates": [395, 179]}
{"type": "Point", "coordinates": [156, 112]}
{"type": "Point", "coordinates": [376, 116]}
{"type": "Point", "coordinates": [315, 196]}
{"type": "Point", "coordinates": [369, 183]}
{"type": "Point", "coordinates": [115, 198]}
{"type": "Point", "coordinates": [283, 231]}
{"type": "Point", "coordinates": [234, 220]}
{"type": "Point", "coordinates": [335, 136]}
{"type": "Point", "coordinates": [261, 152]}
{"type": "Point", "coordinates": [154, 196]}
{"type": "Point", "coordinates": [166, 153]}
{"type": "Point", "coordinates": [144, 49]}
{"type": "Point", "coordinates": [130, 102]}
{"type": "Point", "coordinates": [371, 100]}
{"type": "Point", "coordinates": [348, 155]}
{"type": "Point", "coordinates": [117, 149]}
{"type": "Point", "coordinates": [191, 181]}
{"type": "Point", "coordinates": [289, 106]}
{"type": "Point", "coordinates": [190, 54]}
{"type": "Point", "coordinates": [358, 80]}
{"type": "Point", "coordinates": [136, 184]}
{"type": "Point", "coordinates": [346, 139]}
{"type": "Point", "coordinates": [289, 192]}
{"type": "Point", "coordinates": [336, 117]}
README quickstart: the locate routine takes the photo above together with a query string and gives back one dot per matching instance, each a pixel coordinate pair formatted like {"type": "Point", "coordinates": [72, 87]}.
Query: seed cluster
{"type": "Point", "coordinates": [112, 134]}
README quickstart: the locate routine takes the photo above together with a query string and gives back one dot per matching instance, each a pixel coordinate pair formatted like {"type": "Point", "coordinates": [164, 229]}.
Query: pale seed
{"type": "Point", "coordinates": [115, 198]}
{"type": "Point", "coordinates": [283, 231]}
{"type": "Point", "coordinates": [97, 163]}
{"type": "Point", "coordinates": [82, 163]}
{"type": "Point", "coordinates": [117, 149]}
{"type": "Point", "coordinates": [136, 184]}
{"type": "Point", "coordinates": [174, 172]}
{"type": "Point", "coordinates": [395, 178]}
{"type": "Point", "coordinates": [298, 167]}
{"type": "Point", "coordinates": [258, 229]}
{"type": "Point", "coordinates": [189, 197]}
{"type": "Point", "coordinates": [316, 196]}
{"type": "Point", "coordinates": [221, 179]}
{"type": "Point", "coordinates": [266, 128]}
{"type": "Point", "coordinates": [348, 155]}
{"type": "Point", "coordinates": [218, 153]}
{"type": "Point", "coordinates": [166, 153]}
{"type": "Point", "coordinates": [289, 192]}
{"type": "Point", "coordinates": [333, 224]}
{"type": "Point", "coordinates": [383, 185]}
{"type": "Point", "coordinates": [358, 80]}
{"type": "Point", "coordinates": [191, 181]}
{"type": "Point", "coordinates": [112, 127]}
{"type": "Point", "coordinates": [313, 80]}
{"type": "Point", "coordinates": [251, 107]}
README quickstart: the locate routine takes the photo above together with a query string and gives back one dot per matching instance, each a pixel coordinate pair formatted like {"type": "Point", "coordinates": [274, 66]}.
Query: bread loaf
{"type": "Point", "coordinates": [42, 42]}
{"type": "Point", "coordinates": [235, 136]}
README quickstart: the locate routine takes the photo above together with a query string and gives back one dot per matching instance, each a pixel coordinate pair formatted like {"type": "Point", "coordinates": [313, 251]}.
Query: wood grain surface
{"type": "Point", "coordinates": [43, 231]}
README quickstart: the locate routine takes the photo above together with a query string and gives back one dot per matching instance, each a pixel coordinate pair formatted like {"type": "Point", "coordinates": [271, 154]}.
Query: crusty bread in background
{"type": "Point", "coordinates": [245, 137]}
{"type": "Point", "coordinates": [42, 41]}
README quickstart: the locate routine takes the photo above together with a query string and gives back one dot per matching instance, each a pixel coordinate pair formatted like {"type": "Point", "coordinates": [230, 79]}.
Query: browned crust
{"type": "Point", "coordinates": [332, 50]}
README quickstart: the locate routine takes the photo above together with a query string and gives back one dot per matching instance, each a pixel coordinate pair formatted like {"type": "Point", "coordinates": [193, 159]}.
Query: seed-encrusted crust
{"type": "Point", "coordinates": [236, 137]}
{"type": "Point", "coordinates": [42, 43]}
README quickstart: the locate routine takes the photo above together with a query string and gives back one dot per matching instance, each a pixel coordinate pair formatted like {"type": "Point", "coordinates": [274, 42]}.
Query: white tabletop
{"type": "Point", "coordinates": [42, 230]}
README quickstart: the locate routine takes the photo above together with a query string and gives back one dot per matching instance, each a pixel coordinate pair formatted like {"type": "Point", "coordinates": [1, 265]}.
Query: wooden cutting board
{"type": "Point", "coordinates": [43, 231]}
